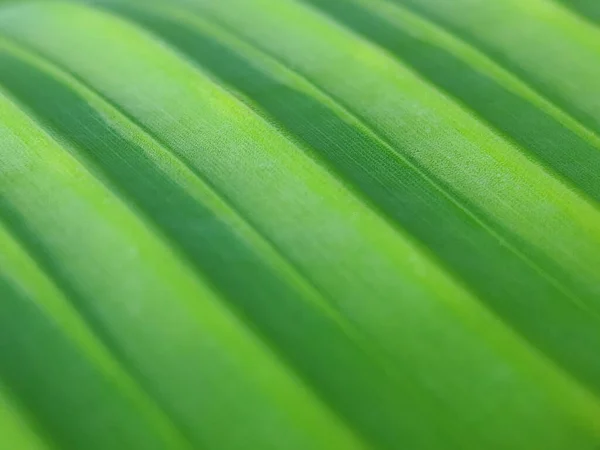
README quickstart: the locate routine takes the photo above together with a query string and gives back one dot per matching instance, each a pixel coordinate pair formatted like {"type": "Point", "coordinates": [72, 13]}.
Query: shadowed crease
{"type": "Point", "coordinates": [588, 9]}
{"type": "Point", "coordinates": [330, 363]}
{"type": "Point", "coordinates": [509, 285]}
{"type": "Point", "coordinates": [33, 353]}
{"type": "Point", "coordinates": [541, 136]}
{"type": "Point", "coordinates": [561, 100]}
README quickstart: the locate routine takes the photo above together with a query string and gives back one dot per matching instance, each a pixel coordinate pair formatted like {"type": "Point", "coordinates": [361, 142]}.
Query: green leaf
{"type": "Point", "coordinates": [317, 224]}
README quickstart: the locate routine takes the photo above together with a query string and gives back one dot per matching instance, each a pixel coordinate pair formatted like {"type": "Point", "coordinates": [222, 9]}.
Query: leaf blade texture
{"type": "Point", "coordinates": [286, 224]}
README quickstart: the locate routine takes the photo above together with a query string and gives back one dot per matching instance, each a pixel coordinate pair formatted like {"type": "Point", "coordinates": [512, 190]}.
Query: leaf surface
{"type": "Point", "coordinates": [318, 224]}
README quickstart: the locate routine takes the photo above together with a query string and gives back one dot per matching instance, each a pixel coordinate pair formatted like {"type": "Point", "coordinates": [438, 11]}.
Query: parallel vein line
{"type": "Point", "coordinates": [481, 65]}
{"type": "Point", "coordinates": [268, 251]}
{"type": "Point", "coordinates": [343, 109]}
{"type": "Point", "coordinates": [455, 44]}
{"type": "Point", "coordinates": [162, 145]}
{"type": "Point", "coordinates": [125, 381]}
{"type": "Point", "coordinates": [272, 352]}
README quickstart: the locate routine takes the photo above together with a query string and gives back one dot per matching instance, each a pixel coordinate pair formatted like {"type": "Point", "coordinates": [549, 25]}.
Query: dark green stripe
{"type": "Point", "coordinates": [546, 140]}
{"type": "Point", "coordinates": [309, 341]}
{"type": "Point", "coordinates": [73, 404]}
{"type": "Point", "coordinates": [588, 9]}
{"type": "Point", "coordinates": [556, 97]}
{"type": "Point", "coordinates": [525, 299]}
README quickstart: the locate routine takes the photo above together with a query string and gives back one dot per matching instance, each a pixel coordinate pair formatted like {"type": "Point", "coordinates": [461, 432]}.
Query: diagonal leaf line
{"type": "Point", "coordinates": [8, 220]}
{"type": "Point", "coordinates": [588, 11]}
{"type": "Point", "coordinates": [558, 101]}
{"type": "Point", "coordinates": [348, 329]}
{"type": "Point", "coordinates": [240, 223]}
{"type": "Point", "coordinates": [497, 71]}
{"type": "Point", "coordinates": [344, 109]}
{"type": "Point", "coordinates": [505, 323]}
{"type": "Point", "coordinates": [26, 414]}
{"type": "Point", "coordinates": [422, 172]}
{"type": "Point", "coordinates": [110, 364]}
{"type": "Point", "coordinates": [417, 43]}
{"type": "Point", "coordinates": [261, 239]}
